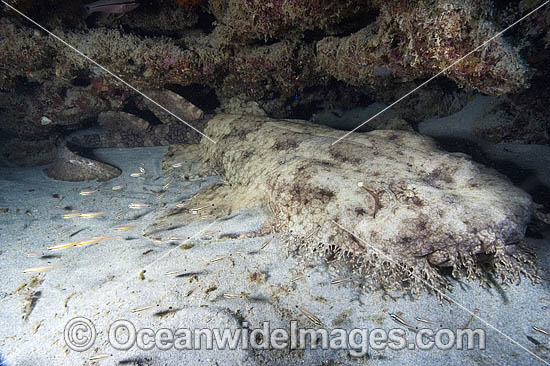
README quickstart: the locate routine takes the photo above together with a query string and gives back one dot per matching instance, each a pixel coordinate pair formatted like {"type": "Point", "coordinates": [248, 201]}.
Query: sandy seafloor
{"type": "Point", "coordinates": [101, 282]}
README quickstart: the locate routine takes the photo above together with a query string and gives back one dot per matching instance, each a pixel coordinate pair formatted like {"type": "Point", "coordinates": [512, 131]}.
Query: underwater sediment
{"type": "Point", "coordinates": [387, 204]}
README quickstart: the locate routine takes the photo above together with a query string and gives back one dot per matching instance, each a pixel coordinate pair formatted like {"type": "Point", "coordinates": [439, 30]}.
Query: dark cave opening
{"type": "Point", "coordinates": [82, 79]}
{"type": "Point", "coordinates": [206, 21]}
{"type": "Point", "coordinates": [202, 96]}
{"type": "Point", "coordinates": [316, 97]}
{"type": "Point", "coordinates": [24, 86]}
{"type": "Point", "coordinates": [175, 35]}
{"type": "Point", "coordinates": [145, 114]}
{"type": "Point", "coordinates": [354, 24]}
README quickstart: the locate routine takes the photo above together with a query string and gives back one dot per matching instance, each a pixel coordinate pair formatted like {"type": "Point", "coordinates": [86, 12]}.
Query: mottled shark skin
{"type": "Point", "coordinates": [71, 167]}
{"type": "Point", "coordinates": [387, 207]}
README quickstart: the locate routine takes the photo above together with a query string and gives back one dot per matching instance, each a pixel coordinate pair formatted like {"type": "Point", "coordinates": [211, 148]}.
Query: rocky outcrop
{"type": "Point", "coordinates": [412, 40]}
{"type": "Point", "coordinates": [291, 58]}
{"type": "Point", "coordinates": [176, 104]}
{"type": "Point", "coordinates": [71, 167]}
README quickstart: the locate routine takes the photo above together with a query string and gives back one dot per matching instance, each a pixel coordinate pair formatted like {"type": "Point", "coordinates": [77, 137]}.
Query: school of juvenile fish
{"type": "Point", "coordinates": [87, 215]}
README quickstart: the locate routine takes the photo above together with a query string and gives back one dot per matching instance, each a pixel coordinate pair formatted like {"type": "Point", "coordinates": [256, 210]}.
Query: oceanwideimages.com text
{"type": "Point", "coordinates": [123, 335]}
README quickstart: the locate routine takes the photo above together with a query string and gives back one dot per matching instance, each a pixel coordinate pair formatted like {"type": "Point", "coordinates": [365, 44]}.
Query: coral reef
{"type": "Point", "coordinates": [411, 208]}
{"type": "Point", "coordinates": [26, 153]}
{"type": "Point", "coordinates": [114, 121]}
{"type": "Point", "coordinates": [160, 135]}
{"type": "Point", "coordinates": [427, 38]}
{"type": "Point", "coordinates": [290, 57]}
{"type": "Point", "coordinates": [523, 115]}
{"type": "Point", "coordinates": [251, 20]}
{"type": "Point", "coordinates": [39, 109]}
{"type": "Point", "coordinates": [125, 129]}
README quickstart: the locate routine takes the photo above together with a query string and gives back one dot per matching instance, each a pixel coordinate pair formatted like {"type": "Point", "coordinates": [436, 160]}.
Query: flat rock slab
{"type": "Point", "coordinates": [71, 167]}
{"type": "Point", "coordinates": [115, 121]}
{"type": "Point", "coordinates": [389, 205]}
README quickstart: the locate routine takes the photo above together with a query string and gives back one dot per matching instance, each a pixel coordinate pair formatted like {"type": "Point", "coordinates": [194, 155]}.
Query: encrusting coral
{"type": "Point", "coordinates": [389, 205]}
{"type": "Point", "coordinates": [411, 40]}
{"type": "Point", "coordinates": [285, 55]}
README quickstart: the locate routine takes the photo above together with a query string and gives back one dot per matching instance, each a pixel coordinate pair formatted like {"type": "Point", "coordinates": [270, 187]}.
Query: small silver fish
{"type": "Point", "coordinates": [400, 320]}
{"type": "Point", "coordinates": [138, 206]}
{"type": "Point", "coordinates": [422, 320]}
{"type": "Point", "coordinates": [35, 254]}
{"type": "Point", "coordinates": [217, 259]}
{"type": "Point", "coordinates": [142, 308]}
{"type": "Point", "coordinates": [89, 215]}
{"type": "Point", "coordinates": [315, 320]}
{"type": "Point", "coordinates": [37, 269]}
{"type": "Point", "coordinates": [109, 6]}
{"type": "Point", "coordinates": [100, 356]}
{"type": "Point", "coordinates": [339, 281]}
{"type": "Point", "coordinates": [540, 330]}
{"type": "Point", "coordinates": [266, 243]}
{"type": "Point", "coordinates": [296, 278]}
{"type": "Point", "coordinates": [175, 273]}
{"type": "Point", "coordinates": [124, 228]}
